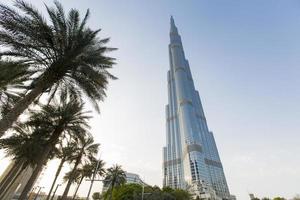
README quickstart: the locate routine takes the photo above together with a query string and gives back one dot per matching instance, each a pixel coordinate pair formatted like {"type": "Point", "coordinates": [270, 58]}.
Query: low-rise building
{"type": "Point", "coordinates": [130, 178]}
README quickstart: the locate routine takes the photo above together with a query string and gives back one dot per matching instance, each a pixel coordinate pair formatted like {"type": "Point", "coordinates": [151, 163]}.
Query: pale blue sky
{"type": "Point", "coordinates": [244, 56]}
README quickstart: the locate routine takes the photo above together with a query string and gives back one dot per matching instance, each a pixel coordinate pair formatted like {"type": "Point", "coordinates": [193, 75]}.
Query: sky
{"type": "Point", "coordinates": [244, 57]}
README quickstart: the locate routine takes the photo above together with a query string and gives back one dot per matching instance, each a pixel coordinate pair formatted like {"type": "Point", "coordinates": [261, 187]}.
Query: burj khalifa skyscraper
{"type": "Point", "coordinates": [191, 159]}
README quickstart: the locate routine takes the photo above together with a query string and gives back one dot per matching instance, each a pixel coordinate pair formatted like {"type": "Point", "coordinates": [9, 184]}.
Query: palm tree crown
{"type": "Point", "coordinates": [65, 54]}
{"type": "Point", "coordinates": [25, 147]}
{"type": "Point", "coordinates": [86, 171]}
{"type": "Point", "coordinates": [55, 121]}
{"type": "Point", "coordinates": [86, 151]}
{"type": "Point", "coordinates": [115, 177]}
{"type": "Point", "coordinates": [12, 78]}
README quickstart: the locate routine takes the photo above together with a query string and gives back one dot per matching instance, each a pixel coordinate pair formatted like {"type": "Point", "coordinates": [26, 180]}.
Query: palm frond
{"type": "Point", "coordinates": [65, 52]}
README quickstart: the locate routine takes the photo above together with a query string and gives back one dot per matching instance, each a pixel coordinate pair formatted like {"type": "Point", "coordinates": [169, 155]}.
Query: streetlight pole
{"type": "Point", "coordinates": [31, 193]}
{"type": "Point", "coordinates": [37, 194]}
{"type": "Point", "coordinates": [93, 179]}
{"type": "Point", "coordinates": [143, 189]}
{"type": "Point", "coordinates": [55, 191]}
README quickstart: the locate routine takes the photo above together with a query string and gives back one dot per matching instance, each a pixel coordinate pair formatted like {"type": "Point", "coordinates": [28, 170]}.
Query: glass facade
{"type": "Point", "coordinates": [190, 157]}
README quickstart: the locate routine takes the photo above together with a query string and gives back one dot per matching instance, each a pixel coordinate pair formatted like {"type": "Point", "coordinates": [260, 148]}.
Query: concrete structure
{"type": "Point", "coordinates": [191, 159]}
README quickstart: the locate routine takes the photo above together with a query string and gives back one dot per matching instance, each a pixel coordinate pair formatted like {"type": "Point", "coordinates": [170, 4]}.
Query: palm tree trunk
{"type": "Point", "coordinates": [65, 194]}
{"type": "Point", "coordinates": [81, 179]}
{"type": "Point", "coordinates": [7, 121]}
{"type": "Point", "coordinates": [35, 174]}
{"type": "Point", "coordinates": [10, 175]}
{"type": "Point", "coordinates": [111, 192]}
{"type": "Point", "coordinates": [6, 189]}
{"type": "Point", "coordinates": [56, 176]}
{"type": "Point", "coordinates": [41, 161]}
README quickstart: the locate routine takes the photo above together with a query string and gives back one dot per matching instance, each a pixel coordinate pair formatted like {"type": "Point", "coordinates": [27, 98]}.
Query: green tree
{"type": "Point", "coordinates": [159, 196]}
{"type": "Point", "coordinates": [168, 189]}
{"type": "Point", "coordinates": [155, 193]}
{"type": "Point", "coordinates": [180, 194]}
{"type": "Point", "coordinates": [86, 150]}
{"type": "Point", "coordinates": [56, 120]}
{"type": "Point", "coordinates": [115, 177]}
{"type": "Point", "coordinates": [96, 196]}
{"type": "Point", "coordinates": [128, 192]}
{"type": "Point", "coordinates": [65, 54]}
{"type": "Point", "coordinates": [279, 198]}
{"type": "Point", "coordinates": [134, 192]}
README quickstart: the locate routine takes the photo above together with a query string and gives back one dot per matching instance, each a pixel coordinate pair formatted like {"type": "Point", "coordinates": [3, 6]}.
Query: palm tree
{"type": "Point", "coordinates": [75, 177]}
{"type": "Point", "coordinates": [56, 120]}
{"type": "Point", "coordinates": [24, 147]}
{"type": "Point", "coordinates": [115, 177]}
{"type": "Point", "coordinates": [66, 55]}
{"type": "Point", "coordinates": [78, 175]}
{"type": "Point", "coordinates": [97, 167]}
{"type": "Point", "coordinates": [12, 78]}
{"type": "Point", "coordinates": [86, 151]}
{"type": "Point", "coordinates": [65, 154]}
{"type": "Point", "coordinates": [85, 172]}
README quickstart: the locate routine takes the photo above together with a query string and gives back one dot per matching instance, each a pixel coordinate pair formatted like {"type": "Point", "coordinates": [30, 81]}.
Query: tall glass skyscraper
{"type": "Point", "coordinates": [191, 159]}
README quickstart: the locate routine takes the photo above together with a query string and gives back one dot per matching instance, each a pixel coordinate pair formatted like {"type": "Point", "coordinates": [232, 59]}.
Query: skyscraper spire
{"type": "Point", "coordinates": [173, 26]}
{"type": "Point", "coordinates": [191, 157]}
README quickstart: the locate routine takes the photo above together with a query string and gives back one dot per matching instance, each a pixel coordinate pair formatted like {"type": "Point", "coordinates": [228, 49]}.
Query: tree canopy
{"type": "Point", "coordinates": [134, 191]}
